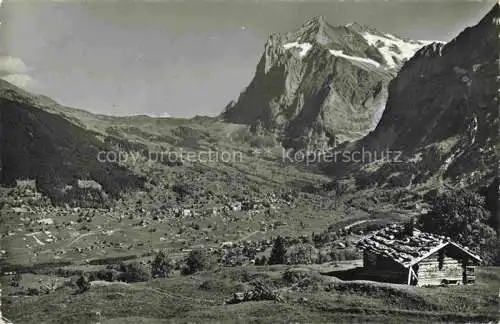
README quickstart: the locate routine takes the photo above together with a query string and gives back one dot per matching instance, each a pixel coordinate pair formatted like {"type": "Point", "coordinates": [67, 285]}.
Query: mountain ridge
{"type": "Point", "coordinates": [321, 84]}
{"type": "Point", "coordinates": [42, 142]}
{"type": "Point", "coordinates": [442, 112]}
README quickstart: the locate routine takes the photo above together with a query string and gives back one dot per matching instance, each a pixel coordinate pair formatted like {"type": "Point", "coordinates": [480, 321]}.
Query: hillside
{"type": "Point", "coordinates": [48, 148]}
{"type": "Point", "coordinates": [441, 114]}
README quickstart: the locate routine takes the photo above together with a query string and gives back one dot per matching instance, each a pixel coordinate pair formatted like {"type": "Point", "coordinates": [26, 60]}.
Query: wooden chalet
{"type": "Point", "coordinates": [401, 255]}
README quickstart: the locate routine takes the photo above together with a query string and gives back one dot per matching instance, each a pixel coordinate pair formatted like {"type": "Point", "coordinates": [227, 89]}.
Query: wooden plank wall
{"type": "Point", "coordinates": [431, 273]}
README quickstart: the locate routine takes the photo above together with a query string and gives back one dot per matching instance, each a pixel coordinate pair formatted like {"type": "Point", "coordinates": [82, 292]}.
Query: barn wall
{"type": "Point", "coordinates": [431, 271]}
{"type": "Point", "coordinates": [383, 269]}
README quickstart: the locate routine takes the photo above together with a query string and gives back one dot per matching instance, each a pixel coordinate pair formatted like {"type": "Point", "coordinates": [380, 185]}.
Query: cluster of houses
{"type": "Point", "coordinates": [393, 254]}
{"type": "Point", "coordinates": [251, 206]}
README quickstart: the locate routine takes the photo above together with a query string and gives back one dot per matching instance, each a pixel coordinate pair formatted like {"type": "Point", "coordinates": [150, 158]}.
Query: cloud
{"type": "Point", "coordinates": [13, 70]}
{"type": "Point", "coordinates": [20, 80]}
{"type": "Point", "coordinates": [12, 65]}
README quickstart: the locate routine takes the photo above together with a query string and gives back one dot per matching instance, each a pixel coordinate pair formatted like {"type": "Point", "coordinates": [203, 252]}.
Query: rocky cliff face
{"type": "Point", "coordinates": [321, 84]}
{"type": "Point", "coordinates": [442, 111]}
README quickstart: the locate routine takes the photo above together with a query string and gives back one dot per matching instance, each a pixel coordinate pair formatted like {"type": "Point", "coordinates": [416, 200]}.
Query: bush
{"type": "Point", "coordinates": [107, 275]}
{"type": "Point", "coordinates": [134, 272]}
{"type": "Point", "coordinates": [261, 261]}
{"type": "Point", "coordinates": [83, 284]}
{"type": "Point", "coordinates": [345, 254]}
{"type": "Point", "coordinates": [304, 279]}
{"type": "Point", "coordinates": [33, 292]}
{"type": "Point", "coordinates": [302, 254]}
{"type": "Point", "coordinates": [15, 280]}
{"type": "Point", "coordinates": [162, 265]}
{"type": "Point", "coordinates": [197, 260]}
{"type": "Point", "coordinates": [211, 284]}
{"type": "Point", "coordinates": [323, 257]}
{"type": "Point", "coordinates": [294, 275]}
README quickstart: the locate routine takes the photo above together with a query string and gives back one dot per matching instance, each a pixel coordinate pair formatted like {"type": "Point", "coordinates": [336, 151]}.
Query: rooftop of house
{"type": "Point", "coordinates": [407, 247]}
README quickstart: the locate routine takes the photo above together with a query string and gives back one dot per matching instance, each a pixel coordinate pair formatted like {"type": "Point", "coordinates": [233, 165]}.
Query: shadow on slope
{"type": "Point", "coordinates": [39, 145]}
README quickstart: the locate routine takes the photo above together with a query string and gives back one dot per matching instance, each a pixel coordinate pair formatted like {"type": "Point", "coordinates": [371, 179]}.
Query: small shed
{"type": "Point", "coordinates": [406, 255]}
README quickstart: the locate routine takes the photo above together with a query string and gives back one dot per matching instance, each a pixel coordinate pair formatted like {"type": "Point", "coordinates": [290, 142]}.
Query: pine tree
{"type": "Point", "coordinates": [161, 266]}
{"type": "Point", "coordinates": [83, 284]}
{"type": "Point", "coordinates": [278, 253]}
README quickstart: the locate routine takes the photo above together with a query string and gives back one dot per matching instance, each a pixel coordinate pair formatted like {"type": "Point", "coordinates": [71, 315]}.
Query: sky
{"type": "Point", "coordinates": [181, 58]}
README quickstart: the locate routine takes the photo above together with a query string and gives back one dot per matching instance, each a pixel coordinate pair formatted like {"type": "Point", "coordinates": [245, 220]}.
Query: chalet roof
{"type": "Point", "coordinates": [409, 249]}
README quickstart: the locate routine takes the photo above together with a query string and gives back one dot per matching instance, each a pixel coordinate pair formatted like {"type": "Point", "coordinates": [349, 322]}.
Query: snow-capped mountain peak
{"type": "Point", "coordinates": [393, 49]}
{"type": "Point", "coordinates": [322, 81]}
{"type": "Point", "coordinates": [353, 41]}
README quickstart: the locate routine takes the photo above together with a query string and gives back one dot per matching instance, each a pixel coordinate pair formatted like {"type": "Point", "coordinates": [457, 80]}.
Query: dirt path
{"type": "Point", "coordinates": [359, 223]}
{"type": "Point", "coordinates": [246, 237]}
{"type": "Point", "coordinates": [35, 237]}
{"type": "Point", "coordinates": [76, 239]}
{"type": "Point", "coordinates": [79, 238]}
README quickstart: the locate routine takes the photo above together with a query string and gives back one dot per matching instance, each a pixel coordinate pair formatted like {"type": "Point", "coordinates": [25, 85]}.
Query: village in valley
{"type": "Point", "coordinates": [239, 248]}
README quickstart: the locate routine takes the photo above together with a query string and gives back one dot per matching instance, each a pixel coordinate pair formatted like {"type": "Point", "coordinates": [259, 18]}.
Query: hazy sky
{"type": "Point", "coordinates": [181, 57]}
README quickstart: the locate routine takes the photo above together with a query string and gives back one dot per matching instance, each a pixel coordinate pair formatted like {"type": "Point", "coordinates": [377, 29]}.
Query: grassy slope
{"type": "Point", "coordinates": [199, 298]}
